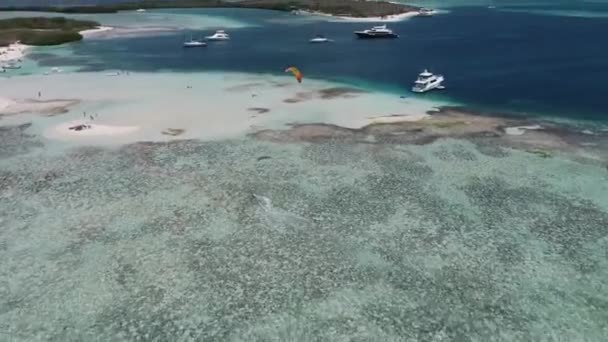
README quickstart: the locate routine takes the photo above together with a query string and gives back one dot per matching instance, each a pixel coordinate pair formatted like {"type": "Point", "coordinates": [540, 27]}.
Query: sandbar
{"type": "Point", "coordinates": [95, 31]}
{"type": "Point", "coordinates": [13, 52]}
{"type": "Point", "coordinates": [63, 131]}
{"type": "Point", "coordinates": [337, 18]}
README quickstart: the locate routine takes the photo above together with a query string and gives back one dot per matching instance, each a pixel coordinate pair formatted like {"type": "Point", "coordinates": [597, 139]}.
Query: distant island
{"type": "Point", "coordinates": [42, 31]}
{"type": "Point", "coordinates": [347, 8]}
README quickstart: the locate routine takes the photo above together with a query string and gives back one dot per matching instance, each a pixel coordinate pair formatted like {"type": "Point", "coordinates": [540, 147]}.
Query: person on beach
{"type": "Point", "coordinates": [39, 94]}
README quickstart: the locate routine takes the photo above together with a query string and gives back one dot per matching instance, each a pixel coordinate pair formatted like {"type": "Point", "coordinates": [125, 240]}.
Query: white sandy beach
{"type": "Point", "coordinates": [520, 130]}
{"type": "Point", "coordinates": [154, 106]}
{"type": "Point", "coordinates": [16, 51]}
{"type": "Point", "coordinates": [63, 130]}
{"type": "Point", "coordinates": [389, 18]}
{"type": "Point", "coordinates": [26, 105]}
{"type": "Point", "coordinates": [95, 31]}
{"type": "Point", "coordinates": [13, 52]}
{"type": "Point", "coordinates": [5, 103]}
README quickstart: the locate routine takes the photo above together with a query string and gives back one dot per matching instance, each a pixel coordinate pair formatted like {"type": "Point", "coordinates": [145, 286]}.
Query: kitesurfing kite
{"type": "Point", "coordinates": [296, 73]}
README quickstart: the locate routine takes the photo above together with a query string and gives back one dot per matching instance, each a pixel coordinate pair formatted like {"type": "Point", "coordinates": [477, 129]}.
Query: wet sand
{"type": "Point", "coordinates": [540, 137]}
{"type": "Point", "coordinates": [46, 107]}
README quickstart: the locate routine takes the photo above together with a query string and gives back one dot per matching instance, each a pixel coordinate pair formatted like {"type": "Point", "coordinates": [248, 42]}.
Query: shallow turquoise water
{"type": "Point", "coordinates": [190, 240]}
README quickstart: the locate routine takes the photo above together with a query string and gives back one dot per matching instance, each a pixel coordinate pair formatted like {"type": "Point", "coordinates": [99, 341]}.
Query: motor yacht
{"type": "Point", "coordinates": [427, 81]}
{"type": "Point", "coordinates": [219, 35]}
{"type": "Point", "coordinates": [377, 32]}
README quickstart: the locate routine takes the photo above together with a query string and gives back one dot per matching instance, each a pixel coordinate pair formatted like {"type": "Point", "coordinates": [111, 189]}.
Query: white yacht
{"type": "Point", "coordinates": [377, 32]}
{"type": "Point", "coordinates": [319, 39]}
{"type": "Point", "coordinates": [140, 10]}
{"type": "Point", "coordinates": [427, 81]}
{"type": "Point", "coordinates": [219, 35]}
{"type": "Point", "coordinates": [426, 12]}
{"type": "Point", "coordinates": [194, 43]}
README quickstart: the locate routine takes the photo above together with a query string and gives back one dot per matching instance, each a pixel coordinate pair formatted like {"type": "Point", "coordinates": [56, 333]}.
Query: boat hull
{"type": "Point", "coordinates": [429, 88]}
{"type": "Point", "coordinates": [365, 35]}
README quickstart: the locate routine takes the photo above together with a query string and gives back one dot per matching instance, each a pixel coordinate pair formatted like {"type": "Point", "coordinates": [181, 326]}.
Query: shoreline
{"type": "Point", "coordinates": [95, 31]}
{"type": "Point", "coordinates": [16, 51]}
{"type": "Point", "coordinates": [13, 52]}
{"type": "Point", "coordinates": [533, 135]}
{"type": "Point", "coordinates": [66, 131]}
{"type": "Point", "coordinates": [282, 112]}
{"type": "Point", "coordinates": [239, 104]}
{"type": "Point", "coordinates": [336, 18]}
{"type": "Point", "coordinates": [370, 10]}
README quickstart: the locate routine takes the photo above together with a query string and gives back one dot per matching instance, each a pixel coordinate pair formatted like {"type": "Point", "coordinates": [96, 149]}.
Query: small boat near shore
{"type": "Point", "coordinates": [428, 81]}
{"type": "Point", "coordinates": [319, 39]}
{"type": "Point", "coordinates": [376, 32]}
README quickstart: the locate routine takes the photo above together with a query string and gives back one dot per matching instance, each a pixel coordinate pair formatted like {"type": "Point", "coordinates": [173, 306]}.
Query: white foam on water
{"type": "Point", "coordinates": [520, 130]}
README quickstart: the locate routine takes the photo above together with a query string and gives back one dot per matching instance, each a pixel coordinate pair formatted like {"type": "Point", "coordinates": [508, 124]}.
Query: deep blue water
{"type": "Point", "coordinates": [492, 60]}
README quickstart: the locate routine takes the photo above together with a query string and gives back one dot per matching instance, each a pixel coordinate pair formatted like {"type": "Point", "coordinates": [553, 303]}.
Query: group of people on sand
{"type": "Point", "coordinates": [83, 126]}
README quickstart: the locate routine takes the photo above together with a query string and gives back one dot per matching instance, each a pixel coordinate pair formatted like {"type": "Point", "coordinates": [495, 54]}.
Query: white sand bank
{"type": "Point", "coordinates": [397, 118]}
{"type": "Point", "coordinates": [13, 52]}
{"type": "Point", "coordinates": [165, 106]}
{"type": "Point", "coordinates": [96, 31]}
{"type": "Point", "coordinates": [10, 106]}
{"type": "Point", "coordinates": [63, 131]}
{"type": "Point", "coordinates": [5, 103]}
{"type": "Point", "coordinates": [520, 130]}
{"type": "Point", "coordinates": [389, 18]}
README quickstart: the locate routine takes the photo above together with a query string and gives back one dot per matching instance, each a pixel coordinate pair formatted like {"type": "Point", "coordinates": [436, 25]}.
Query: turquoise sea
{"type": "Point", "coordinates": [218, 235]}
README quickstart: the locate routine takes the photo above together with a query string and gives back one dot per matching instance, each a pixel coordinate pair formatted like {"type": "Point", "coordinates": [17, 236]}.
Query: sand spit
{"type": "Point", "coordinates": [44, 107]}
{"type": "Point", "coordinates": [173, 131]}
{"type": "Point", "coordinates": [540, 138]}
{"type": "Point", "coordinates": [13, 52]}
{"type": "Point", "coordinates": [95, 32]}
{"type": "Point", "coordinates": [74, 129]}
{"type": "Point", "coordinates": [325, 94]}
{"type": "Point", "coordinates": [347, 19]}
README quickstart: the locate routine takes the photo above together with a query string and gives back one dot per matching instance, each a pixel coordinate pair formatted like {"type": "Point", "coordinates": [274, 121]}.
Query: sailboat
{"type": "Point", "coordinates": [194, 43]}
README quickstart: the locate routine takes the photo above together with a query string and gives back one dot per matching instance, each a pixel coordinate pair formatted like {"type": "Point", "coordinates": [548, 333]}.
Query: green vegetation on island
{"type": "Point", "coordinates": [42, 31]}
{"type": "Point", "coordinates": [354, 8]}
